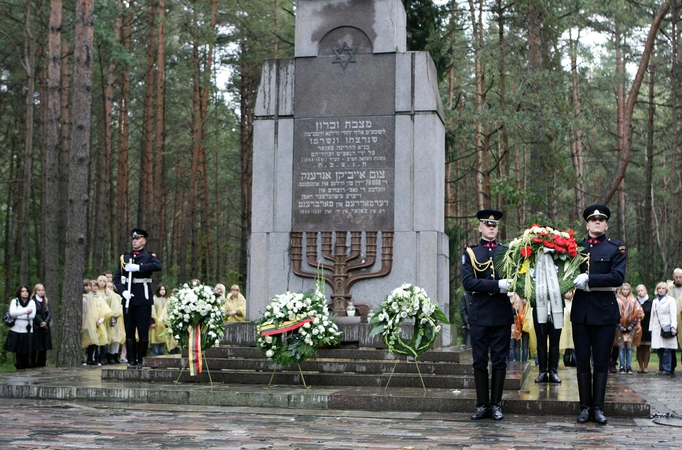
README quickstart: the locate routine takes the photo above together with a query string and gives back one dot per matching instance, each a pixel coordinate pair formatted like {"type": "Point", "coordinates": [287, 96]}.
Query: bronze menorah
{"type": "Point", "coordinates": [338, 275]}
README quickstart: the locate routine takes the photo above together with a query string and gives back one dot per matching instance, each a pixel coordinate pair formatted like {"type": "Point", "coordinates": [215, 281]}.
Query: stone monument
{"type": "Point", "coordinates": [348, 162]}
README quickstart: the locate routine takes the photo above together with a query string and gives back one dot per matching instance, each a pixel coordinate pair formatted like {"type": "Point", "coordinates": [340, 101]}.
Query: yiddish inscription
{"type": "Point", "coordinates": [344, 173]}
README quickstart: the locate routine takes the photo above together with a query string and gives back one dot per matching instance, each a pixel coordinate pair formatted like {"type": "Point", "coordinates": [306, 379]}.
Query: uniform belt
{"type": "Point", "coordinates": [146, 282]}
{"type": "Point", "coordinates": [602, 289]}
{"type": "Point", "coordinates": [142, 280]}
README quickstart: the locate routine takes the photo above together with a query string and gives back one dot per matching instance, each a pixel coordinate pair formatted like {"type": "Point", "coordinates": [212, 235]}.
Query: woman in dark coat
{"type": "Point", "coordinates": [644, 347]}
{"type": "Point", "coordinates": [42, 337]}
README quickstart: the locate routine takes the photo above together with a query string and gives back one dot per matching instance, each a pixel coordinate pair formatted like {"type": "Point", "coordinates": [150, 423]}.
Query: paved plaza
{"type": "Point", "coordinates": [55, 424]}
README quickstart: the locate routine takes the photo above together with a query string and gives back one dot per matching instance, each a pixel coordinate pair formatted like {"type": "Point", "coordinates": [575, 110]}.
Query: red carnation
{"type": "Point", "coordinates": [537, 240]}
{"type": "Point", "coordinates": [548, 244]}
{"type": "Point", "coordinates": [526, 251]}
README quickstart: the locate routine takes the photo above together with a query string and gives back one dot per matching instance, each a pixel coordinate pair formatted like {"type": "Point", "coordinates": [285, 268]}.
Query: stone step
{"type": "Point", "coordinates": [446, 355]}
{"type": "Point", "coordinates": [87, 384]}
{"type": "Point", "coordinates": [513, 381]}
{"type": "Point", "coordinates": [318, 364]}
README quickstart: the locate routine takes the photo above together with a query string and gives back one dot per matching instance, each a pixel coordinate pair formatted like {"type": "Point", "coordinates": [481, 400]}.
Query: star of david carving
{"type": "Point", "coordinates": [339, 59]}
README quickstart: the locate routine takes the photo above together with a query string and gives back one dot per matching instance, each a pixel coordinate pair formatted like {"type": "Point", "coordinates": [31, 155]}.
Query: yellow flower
{"type": "Point", "coordinates": [525, 266]}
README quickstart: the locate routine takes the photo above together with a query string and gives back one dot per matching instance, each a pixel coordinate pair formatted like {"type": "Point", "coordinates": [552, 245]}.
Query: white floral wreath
{"type": "Point", "coordinates": [408, 302]}
{"type": "Point", "coordinates": [191, 306]}
{"type": "Point", "coordinates": [294, 325]}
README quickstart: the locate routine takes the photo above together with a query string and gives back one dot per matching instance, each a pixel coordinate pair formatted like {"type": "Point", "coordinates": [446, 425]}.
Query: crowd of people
{"type": "Point", "coordinates": [120, 316]}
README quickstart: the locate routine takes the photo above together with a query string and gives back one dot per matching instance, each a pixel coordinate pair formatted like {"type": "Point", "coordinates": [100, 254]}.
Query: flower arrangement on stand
{"type": "Point", "coordinates": [294, 326]}
{"type": "Point", "coordinates": [195, 320]}
{"type": "Point", "coordinates": [408, 303]}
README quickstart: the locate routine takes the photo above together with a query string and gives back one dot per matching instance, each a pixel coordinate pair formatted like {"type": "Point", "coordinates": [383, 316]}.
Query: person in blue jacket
{"type": "Point", "coordinates": [595, 312]}
{"type": "Point", "coordinates": [490, 316]}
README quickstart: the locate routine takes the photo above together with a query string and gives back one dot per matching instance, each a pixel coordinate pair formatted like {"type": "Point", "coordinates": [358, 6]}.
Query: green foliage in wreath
{"type": "Point", "coordinates": [408, 302]}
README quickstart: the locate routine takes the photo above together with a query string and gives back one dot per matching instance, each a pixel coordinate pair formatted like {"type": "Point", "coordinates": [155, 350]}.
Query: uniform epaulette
{"type": "Point", "coordinates": [617, 243]}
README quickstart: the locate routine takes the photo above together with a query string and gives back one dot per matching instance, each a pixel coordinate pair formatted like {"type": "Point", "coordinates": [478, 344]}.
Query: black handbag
{"type": "Point", "coordinates": [8, 319]}
{"type": "Point", "coordinates": [666, 330]}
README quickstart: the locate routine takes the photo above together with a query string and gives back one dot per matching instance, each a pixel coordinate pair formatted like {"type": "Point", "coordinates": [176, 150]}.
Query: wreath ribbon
{"type": "Point", "coordinates": [194, 350]}
{"type": "Point", "coordinates": [290, 325]}
{"type": "Point", "coordinates": [547, 290]}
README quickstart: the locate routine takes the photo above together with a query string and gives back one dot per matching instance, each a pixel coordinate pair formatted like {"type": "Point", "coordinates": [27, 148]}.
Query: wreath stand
{"type": "Point", "coordinates": [416, 363]}
{"type": "Point", "coordinates": [299, 371]}
{"type": "Point", "coordinates": [177, 380]}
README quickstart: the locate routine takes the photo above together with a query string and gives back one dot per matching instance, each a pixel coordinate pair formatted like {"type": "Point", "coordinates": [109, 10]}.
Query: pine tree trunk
{"type": "Point", "coordinates": [70, 346]}
{"type": "Point", "coordinates": [64, 147]}
{"type": "Point", "coordinates": [123, 192]}
{"type": "Point", "coordinates": [51, 188]}
{"type": "Point", "coordinates": [246, 102]}
{"type": "Point", "coordinates": [158, 239]}
{"type": "Point", "coordinates": [23, 235]}
{"type": "Point", "coordinates": [144, 205]}
{"type": "Point", "coordinates": [577, 141]}
{"type": "Point", "coordinates": [648, 216]}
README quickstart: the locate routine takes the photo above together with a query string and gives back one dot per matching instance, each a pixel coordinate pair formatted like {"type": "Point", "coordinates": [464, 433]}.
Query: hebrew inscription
{"type": "Point", "coordinates": [344, 173]}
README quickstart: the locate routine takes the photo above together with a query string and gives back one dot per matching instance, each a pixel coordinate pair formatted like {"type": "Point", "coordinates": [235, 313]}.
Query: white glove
{"type": "Point", "coordinates": [581, 281]}
{"type": "Point", "coordinates": [132, 267]}
{"type": "Point", "coordinates": [504, 285]}
{"type": "Point", "coordinates": [126, 295]}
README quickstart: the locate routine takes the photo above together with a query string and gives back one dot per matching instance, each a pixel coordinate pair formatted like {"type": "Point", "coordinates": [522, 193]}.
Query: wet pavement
{"type": "Point", "coordinates": [67, 424]}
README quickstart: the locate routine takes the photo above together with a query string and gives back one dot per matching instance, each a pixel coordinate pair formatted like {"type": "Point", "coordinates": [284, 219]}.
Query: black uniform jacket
{"type": "Point", "coordinates": [606, 269]}
{"type": "Point", "coordinates": [149, 263]}
{"type": "Point", "coordinates": [488, 306]}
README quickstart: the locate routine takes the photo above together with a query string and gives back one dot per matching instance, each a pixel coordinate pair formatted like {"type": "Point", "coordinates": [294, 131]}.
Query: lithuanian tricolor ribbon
{"type": "Point", "coordinates": [194, 350]}
{"type": "Point", "coordinates": [289, 325]}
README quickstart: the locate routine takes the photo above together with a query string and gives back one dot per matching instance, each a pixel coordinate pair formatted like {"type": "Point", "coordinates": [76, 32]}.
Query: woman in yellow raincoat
{"type": "Point", "coordinates": [158, 326]}
{"type": "Point", "coordinates": [116, 333]}
{"type": "Point", "coordinates": [95, 313]}
{"type": "Point", "coordinates": [235, 306]}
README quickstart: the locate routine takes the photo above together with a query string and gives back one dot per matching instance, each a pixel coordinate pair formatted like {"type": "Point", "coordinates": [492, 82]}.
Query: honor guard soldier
{"type": "Point", "coordinates": [490, 316]}
{"type": "Point", "coordinates": [133, 279]}
{"type": "Point", "coordinates": [595, 313]}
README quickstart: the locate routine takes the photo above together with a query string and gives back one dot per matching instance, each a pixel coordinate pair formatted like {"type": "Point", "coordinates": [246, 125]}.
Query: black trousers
{"type": "Point", "coordinates": [593, 344]}
{"type": "Point", "coordinates": [544, 330]}
{"type": "Point", "coordinates": [138, 318]}
{"type": "Point", "coordinates": [493, 339]}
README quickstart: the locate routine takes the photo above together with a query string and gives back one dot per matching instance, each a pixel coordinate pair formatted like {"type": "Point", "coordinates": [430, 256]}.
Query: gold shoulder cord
{"type": "Point", "coordinates": [475, 263]}
{"type": "Point", "coordinates": [123, 263]}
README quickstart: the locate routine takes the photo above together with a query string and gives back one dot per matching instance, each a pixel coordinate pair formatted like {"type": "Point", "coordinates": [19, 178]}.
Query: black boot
{"type": "Point", "coordinates": [142, 348]}
{"type": "Point", "coordinates": [554, 365]}
{"type": "Point", "coordinates": [585, 394]}
{"type": "Point", "coordinates": [102, 350]}
{"type": "Point", "coordinates": [599, 392]}
{"type": "Point", "coordinates": [131, 346]}
{"type": "Point", "coordinates": [569, 359]}
{"type": "Point", "coordinates": [482, 400]}
{"type": "Point", "coordinates": [92, 349]}
{"type": "Point", "coordinates": [542, 365]}
{"type": "Point", "coordinates": [496, 390]}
